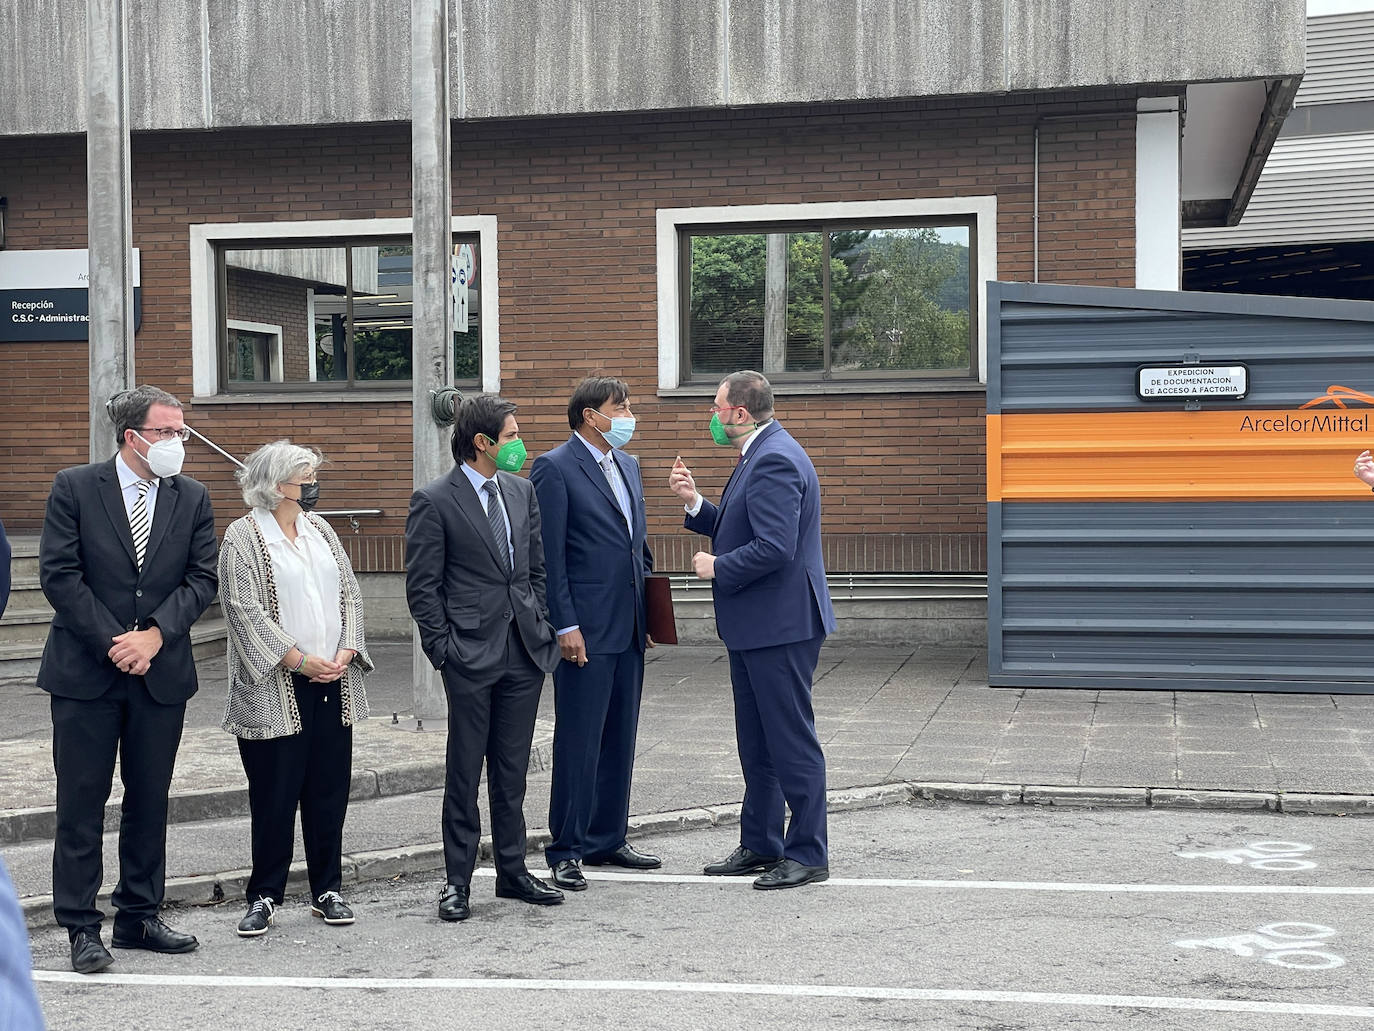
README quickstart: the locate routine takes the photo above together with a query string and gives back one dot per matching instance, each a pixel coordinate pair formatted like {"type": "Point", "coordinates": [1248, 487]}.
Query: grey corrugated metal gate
{"type": "Point", "coordinates": [1205, 544]}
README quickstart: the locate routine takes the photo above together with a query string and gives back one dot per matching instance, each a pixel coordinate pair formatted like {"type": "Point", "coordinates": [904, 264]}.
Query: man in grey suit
{"type": "Point", "coordinates": [475, 587]}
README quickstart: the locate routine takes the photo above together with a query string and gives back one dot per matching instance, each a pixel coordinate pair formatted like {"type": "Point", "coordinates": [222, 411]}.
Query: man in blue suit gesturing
{"type": "Point", "coordinates": [592, 501]}
{"type": "Point", "coordinates": [773, 612]}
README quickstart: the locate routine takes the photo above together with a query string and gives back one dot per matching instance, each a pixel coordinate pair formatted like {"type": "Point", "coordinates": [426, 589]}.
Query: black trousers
{"type": "Point", "coordinates": [312, 770]}
{"type": "Point", "coordinates": [86, 736]}
{"type": "Point", "coordinates": [490, 716]}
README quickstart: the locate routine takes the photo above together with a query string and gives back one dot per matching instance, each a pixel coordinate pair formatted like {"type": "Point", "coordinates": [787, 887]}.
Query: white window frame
{"type": "Point", "coordinates": [205, 314]}
{"type": "Point", "coordinates": [671, 222]}
{"type": "Point", "coordinates": [274, 358]}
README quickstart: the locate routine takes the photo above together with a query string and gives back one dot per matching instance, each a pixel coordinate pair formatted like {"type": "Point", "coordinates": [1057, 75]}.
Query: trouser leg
{"type": "Point", "coordinates": [610, 803]}
{"type": "Point", "coordinates": [324, 795]}
{"type": "Point", "coordinates": [762, 815]}
{"type": "Point", "coordinates": [147, 750]}
{"type": "Point", "coordinates": [85, 742]}
{"type": "Point", "coordinates": [581, 697]}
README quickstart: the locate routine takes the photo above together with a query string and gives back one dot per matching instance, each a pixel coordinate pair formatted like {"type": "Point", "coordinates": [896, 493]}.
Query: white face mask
{"type": "Point", "coordinates": [164, 458]}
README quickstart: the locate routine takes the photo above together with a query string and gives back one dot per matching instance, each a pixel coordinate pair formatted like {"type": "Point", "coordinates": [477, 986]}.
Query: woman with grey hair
{"type": "Point", "coordinates": [296, 663]}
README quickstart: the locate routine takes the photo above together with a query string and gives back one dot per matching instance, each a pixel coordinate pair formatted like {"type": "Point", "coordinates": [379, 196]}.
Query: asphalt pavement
{"type": "Point", "coordinates": [896, 724]}
{"type": "Point", "coordinates": [937, 915]}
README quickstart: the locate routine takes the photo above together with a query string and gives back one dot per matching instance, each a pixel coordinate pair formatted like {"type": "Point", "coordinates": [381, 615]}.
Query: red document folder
{"type": "Point", "coordinates": [658, 598]}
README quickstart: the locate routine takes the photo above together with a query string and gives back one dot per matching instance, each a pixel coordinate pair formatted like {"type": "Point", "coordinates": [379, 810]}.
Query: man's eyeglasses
{"type": "Point", "coordinates": [163, 433]}
{"type": "Point", "coordinates": [717, 409]}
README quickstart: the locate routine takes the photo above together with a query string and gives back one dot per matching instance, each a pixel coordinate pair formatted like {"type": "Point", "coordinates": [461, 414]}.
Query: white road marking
{"type": "Point", "coordinates": [1070, 886]}
{"type": "Point", "coordinates": [1154, 1002]}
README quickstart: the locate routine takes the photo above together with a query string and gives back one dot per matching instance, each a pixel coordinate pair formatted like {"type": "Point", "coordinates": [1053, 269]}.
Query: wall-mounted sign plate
{"type": "Point", "coordinates": [1165, 382]}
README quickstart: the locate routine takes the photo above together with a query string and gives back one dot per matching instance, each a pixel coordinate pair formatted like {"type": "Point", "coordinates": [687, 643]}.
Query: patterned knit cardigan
{"type": "Point", "coordinates": [262, 703]}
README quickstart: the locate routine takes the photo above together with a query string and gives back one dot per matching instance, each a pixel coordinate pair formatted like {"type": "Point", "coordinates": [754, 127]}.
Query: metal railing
{"type": "Point", "coordinates": [352, 515]}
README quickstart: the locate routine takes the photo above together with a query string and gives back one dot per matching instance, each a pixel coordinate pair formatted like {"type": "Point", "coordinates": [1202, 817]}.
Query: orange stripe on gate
{"type": "Point", "coordinates": [1287, 454]}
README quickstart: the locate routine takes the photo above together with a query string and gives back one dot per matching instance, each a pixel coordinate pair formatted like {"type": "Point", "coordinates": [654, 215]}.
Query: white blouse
{"type": "Point", "coordinates": [307, 581]}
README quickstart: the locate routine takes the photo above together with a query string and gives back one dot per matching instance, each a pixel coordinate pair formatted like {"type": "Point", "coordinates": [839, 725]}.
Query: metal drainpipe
{"type": "Point", "coordinates": [1035, 208]}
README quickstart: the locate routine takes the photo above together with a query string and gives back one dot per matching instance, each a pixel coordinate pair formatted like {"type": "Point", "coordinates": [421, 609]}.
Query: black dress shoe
{"type": "Point", "coordinates": [528, 888]}
{"type": "Point", "coordinates": [627, 856]}
{"type": "Point", "coordinates": [742, 861]}
{"type": "Point", "coordinates": [88, 955]}
{"type": "Point", "coordinates": [568, 874]}
{"type": "Point", "coordinates": [155, 936]}
{"type": "Point", "coordinates": [454, 903]}
{"type": "Point", "coordinates": [791, 874]}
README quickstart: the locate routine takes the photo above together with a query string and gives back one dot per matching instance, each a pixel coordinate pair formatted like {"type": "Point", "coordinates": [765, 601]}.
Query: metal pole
{"type": "Point", "coordinates": [432, 249]}
{"type": "Point", "coordinates": [109, 216]}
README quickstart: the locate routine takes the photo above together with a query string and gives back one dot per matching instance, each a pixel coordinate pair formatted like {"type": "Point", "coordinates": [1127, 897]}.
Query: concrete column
{"type": "Point", "coordinates": [775, 305]}
{"type": "Point", "coordinates": [432, 242]}
{"type": "Point", "coordinates": [1158, 195]}
{"type": "Point", "coordinates": [109, 216]}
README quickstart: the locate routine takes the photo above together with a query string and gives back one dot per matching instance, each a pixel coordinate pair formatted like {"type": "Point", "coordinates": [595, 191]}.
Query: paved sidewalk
{"type": "Point", "coordinates": [920, 719]}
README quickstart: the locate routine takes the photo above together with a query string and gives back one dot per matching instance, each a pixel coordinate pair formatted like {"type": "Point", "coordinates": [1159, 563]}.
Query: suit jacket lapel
{"type": "Point", "coordinates": [629, 475]}
{"type": "Point", "coordinates": [519, 522]}
{"type": "Point", "coordinates": [471, 507]}
{"type": "Point", "coordinates": [167, 496]}
{"type": "Point", "coordinates": [737, 476]}
{"type": "Point", "coordinates": [113, 500]}
{"type": "Point", "coordinates": [597, 475]}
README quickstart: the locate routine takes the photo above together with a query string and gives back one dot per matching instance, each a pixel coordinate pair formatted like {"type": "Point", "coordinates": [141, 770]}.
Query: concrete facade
{"type": "Point", "coordinates": [200, 65]}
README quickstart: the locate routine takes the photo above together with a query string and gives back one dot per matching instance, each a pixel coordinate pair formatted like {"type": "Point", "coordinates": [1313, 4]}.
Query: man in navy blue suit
{"type": "Point", "coordinates": [591, 499]}
{"type": "Point", "coordinates": [773, 612]}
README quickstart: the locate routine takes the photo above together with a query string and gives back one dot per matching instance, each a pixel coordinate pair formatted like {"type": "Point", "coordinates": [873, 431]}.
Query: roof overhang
{"type": "Point", "coordinates": [1229, 129]}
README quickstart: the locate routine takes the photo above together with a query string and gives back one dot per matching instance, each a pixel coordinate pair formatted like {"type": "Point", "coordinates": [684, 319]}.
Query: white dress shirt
{"type": "Point", "coordinates": [307, 580]}
{"type": "Point", "coordinates": [128, 486]}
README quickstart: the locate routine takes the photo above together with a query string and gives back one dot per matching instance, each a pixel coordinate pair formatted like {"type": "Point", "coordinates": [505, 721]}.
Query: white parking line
{"type": "Point", "coordinates": [1152, 1002]}
{"type": "Point", "coordinates": [1070, 886]}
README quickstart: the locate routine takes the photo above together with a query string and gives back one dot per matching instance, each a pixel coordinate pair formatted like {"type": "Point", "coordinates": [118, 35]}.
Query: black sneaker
{"type": "Point", "coordinates": [257, 920]}
{"type": "Point", "coordinates": [331, 906]}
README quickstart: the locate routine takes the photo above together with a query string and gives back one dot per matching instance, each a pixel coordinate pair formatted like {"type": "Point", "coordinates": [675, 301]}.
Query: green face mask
{"type": "Point", "coordinates": [718, 433]}
{"type": "Point", "coordinates": [510, 456]}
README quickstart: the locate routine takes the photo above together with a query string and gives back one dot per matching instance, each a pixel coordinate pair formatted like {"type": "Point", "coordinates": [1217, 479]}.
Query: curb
{"type": "Point", "coordinates": [39, 823]}
{"type": "Point", "coordinates": [428, 857]}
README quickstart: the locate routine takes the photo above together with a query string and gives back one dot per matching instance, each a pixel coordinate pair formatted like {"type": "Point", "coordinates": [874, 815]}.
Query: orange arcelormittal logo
{"type": "Point", "coordinates": [1338, 396]}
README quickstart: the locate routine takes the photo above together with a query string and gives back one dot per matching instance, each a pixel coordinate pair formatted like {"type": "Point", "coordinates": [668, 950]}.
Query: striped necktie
{"type": "Point", "coordinates": [498, 523]}
{"type": "Point", "coordinates": [138, 521]}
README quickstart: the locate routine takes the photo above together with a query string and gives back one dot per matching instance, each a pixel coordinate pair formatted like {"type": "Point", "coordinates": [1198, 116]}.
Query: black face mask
{"type": "Point", "coordinates": [310, 496]}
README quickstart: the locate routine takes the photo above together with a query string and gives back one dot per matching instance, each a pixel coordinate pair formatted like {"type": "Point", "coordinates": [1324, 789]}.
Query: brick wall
{"type": "Point", "coordinates": [576, 200]}
{"type": "Point", "coordinates": [274, 301]}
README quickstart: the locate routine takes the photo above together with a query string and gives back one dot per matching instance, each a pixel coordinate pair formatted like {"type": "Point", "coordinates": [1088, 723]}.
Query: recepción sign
{"type": "Point", "coordinates": [1154, 382]}
{"type": "Point", "coordinates": [44, 295]}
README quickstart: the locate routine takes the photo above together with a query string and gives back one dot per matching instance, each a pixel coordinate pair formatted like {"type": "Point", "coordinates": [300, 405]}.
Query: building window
{"type": "Point", "coordinates": [344, 312]}
{"type": "Point", "coordinates": [334, 297]}
{"type": "Point", "coordinates": [821, 296]}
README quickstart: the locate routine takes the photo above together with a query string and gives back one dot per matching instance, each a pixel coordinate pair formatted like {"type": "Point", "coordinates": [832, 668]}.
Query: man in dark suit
{"type": "Point", "coordinates": [773, 612]}
{"type": "Point", "coordinates": [127, 560]}
{"type": "Point", "coordinates": [475, 587]}
{"type": "Point", "coordinates": [591, 500]}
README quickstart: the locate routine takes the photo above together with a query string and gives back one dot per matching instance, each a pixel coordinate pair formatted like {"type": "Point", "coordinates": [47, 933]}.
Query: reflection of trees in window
{"type": "Point", "coordinates": [909, 305]}
{"type": "Point", "coordinates": [898, 299]}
